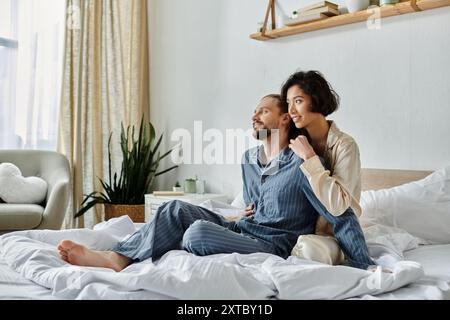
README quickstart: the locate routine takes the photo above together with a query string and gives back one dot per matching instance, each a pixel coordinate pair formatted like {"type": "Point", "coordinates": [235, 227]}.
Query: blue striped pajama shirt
{"type": "Point", "coordinates": [285, 207]}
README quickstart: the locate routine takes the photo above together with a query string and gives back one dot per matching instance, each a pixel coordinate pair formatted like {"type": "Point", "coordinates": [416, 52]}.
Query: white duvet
{"type": "Point", "coordinates": [181, 275]}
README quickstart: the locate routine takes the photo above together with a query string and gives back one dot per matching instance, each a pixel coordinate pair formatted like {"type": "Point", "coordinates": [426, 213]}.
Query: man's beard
{"type": "Point", "coordinates": [261, 134]}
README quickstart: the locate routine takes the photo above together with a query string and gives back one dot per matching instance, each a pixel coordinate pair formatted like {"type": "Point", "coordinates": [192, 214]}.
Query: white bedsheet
{"type": "Point", "coordinates": [180, 275]}
{"type": "Point", "coordinates": [14, 286]}
{"type": "Point", "coordinates": [434, 285]}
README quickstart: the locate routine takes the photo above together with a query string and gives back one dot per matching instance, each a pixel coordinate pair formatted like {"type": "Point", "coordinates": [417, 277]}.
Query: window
{"type": "Point", "coordinates": [31, 61]}
{"type": "Point", "coordinates": [8, 57]}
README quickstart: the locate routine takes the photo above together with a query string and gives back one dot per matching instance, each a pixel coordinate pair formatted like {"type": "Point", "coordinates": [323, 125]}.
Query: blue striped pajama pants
{"type": "Point", "coordinates": [179, 225]}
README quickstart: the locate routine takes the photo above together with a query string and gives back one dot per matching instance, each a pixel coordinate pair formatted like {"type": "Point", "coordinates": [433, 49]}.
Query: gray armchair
{"type": "Point", "coordinates": [54, 168]}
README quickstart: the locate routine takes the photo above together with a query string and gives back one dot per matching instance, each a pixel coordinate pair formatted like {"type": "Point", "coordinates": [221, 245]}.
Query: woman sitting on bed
{"type": "Point", "coordinates": [311, 99]}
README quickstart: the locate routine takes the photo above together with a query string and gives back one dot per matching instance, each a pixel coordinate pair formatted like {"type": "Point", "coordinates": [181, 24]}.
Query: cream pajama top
{"type": "Point", "coordinates": [337, 190]}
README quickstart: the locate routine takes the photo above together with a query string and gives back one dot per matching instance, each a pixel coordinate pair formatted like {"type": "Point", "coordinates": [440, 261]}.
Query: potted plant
{"type": "Point", "coordinates": [177, 187]}
{"type": "Point", "coordinates": [125, 193]}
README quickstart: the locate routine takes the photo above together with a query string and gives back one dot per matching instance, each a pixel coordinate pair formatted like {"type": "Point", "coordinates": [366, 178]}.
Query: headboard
{"type": "Point", "coordinates": [375, 179]}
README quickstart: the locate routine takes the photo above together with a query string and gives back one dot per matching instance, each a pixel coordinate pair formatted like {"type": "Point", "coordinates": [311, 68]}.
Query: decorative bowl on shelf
{"type": "Point", "coordinates": [357, 5]}
{"type": "Point", "coordinates": [387, 2]}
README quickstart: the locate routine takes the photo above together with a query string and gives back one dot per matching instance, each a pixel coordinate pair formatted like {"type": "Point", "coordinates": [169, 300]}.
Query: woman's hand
{"type": "Point", "coordinates": [302, 148]}
{"type": "Point", "coordinates": [248, 211]}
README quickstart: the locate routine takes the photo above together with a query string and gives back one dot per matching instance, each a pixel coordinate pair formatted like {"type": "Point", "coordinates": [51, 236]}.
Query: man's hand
{"type": "Point", "coordinates": [302, 148]}
{"type": "Point", "coordinates": [248, 211]}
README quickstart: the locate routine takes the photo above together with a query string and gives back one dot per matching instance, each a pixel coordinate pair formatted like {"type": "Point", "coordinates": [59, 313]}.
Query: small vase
{"type": "Point", "coordinates": [357, 5]}
{"type": "Point", "coordinates": [200, 186]}
{"type": "Point", "coordinates": [190, 186]}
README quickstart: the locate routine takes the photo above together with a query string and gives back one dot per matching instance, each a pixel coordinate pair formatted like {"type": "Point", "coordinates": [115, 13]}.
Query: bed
{"type": "Point", "coordinates": [406, 220]}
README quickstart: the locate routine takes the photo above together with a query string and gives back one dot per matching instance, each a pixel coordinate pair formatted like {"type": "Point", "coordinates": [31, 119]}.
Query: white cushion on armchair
{"type": "Point", "coordinates": [54, 168]}
{"type": "Point", "coordinates": [14, 188]}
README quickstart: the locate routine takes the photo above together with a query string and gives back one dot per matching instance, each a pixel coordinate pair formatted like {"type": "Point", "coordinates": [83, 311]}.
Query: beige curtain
{"type": "Point", "coordinates": [105, 83]}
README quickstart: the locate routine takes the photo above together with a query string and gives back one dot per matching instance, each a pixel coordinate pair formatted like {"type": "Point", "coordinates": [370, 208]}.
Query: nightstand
{"type": "Point", "coordinates": [152, 202]}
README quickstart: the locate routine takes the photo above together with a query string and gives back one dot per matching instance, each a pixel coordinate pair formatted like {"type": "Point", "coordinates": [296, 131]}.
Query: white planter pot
{"type": "Point", "coordinates": [357, 5]}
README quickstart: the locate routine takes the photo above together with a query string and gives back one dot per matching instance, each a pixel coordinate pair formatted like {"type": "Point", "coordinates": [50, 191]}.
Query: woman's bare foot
{"type": "Point", "coordinates": [79, 255]}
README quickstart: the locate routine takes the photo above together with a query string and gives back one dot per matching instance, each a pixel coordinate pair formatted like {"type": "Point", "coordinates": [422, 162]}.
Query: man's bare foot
{"type": "Point", "coordinates": [79, 255]}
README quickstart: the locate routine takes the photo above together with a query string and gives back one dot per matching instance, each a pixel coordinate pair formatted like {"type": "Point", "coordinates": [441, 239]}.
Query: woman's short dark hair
{"type": "Point", "coordinates": [324, 99]}
{"type": "Point", "coordinates": [294, 132]}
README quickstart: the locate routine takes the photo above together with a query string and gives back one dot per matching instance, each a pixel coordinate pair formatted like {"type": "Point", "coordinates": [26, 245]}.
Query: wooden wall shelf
{"type": "Point", "coordinates": [348, 18]}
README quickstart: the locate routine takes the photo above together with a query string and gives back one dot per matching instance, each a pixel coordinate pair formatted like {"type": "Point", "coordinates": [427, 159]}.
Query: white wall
{"type": "Point", "coordinates": [394, 82]}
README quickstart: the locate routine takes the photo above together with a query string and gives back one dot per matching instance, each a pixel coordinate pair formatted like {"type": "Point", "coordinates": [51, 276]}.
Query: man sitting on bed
{"type": "Point", "coordinates": [283, 208]}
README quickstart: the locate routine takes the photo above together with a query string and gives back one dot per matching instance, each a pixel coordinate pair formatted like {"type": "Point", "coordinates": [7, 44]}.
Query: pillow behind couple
{"type": "Point", "coordinates": [421, 208]}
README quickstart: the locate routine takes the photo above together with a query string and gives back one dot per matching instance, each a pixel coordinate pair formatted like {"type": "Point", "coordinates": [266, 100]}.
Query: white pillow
{"type": "Point", "coordinates": [314, 247]}
{"type": "Point", "coordinates": [14, 188]}
{"type": "Point", "coordinates": [422, 208]}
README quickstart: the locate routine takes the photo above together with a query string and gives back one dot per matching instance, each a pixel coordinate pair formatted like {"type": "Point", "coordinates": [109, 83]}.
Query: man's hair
{"type": "Point", "coordinates": [283, 106]}
{"type": "Point", "coordinates": [324, 99]}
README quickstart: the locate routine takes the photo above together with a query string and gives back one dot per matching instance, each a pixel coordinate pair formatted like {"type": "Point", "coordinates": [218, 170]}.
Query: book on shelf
{"type": "Point", "coordinates": [317, 11]}
{"type": "Point", "coordinates": [328, 11]}
{"type": "Point", "coordinates": [305, 18]}
{"type": "Point", "coordinates": [319, 5]}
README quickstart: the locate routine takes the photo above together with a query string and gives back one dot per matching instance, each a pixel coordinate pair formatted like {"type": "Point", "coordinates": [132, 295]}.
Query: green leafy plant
{"type": "Point", "coordinates": [140, 162]}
